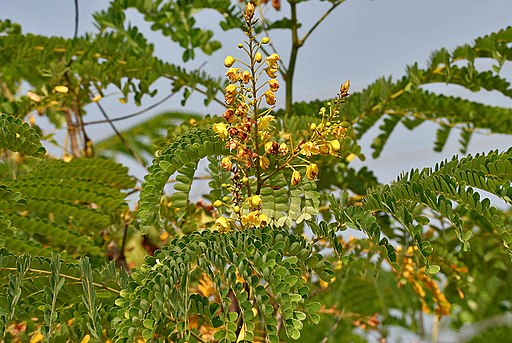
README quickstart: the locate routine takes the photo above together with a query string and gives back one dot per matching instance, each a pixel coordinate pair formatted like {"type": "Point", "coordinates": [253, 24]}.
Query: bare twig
{"type": "Point", "coordinates": [158, 103]}
{"type": "Point", "coordinates": [121, 138]}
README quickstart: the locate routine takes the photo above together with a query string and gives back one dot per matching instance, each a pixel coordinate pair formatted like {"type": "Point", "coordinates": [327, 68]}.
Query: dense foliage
{"type": "Point", "coordinates": [269, 253]}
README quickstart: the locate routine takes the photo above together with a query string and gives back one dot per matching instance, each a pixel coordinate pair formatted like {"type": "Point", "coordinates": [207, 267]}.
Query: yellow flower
{"type": "Point", "coordinates": [274, 85]}
{"type": "Point", "coordinates": [231, 90]}
{"type": "Point", "coordinates": [273, 59]}
{"type": "Point", "coordinates": [270, 97]}
{"type": "Point", "coordinates": [283, 149]}
{"type": "Point", "coordinates": [221, 130]}
{"type": "Point", "coordinates": [324, 149]}
{"type": "Point", "coordinates": [226, 163]}
{"type": "Point", "coordinates": [263, 219]}
{"type": "Point", "coordinates": [230, 94]}
{"type": "Point", "coordinates": [229, 115]}
{"type": "Point", "coordinates": [228, 61]}
{"type": "Point", "coordinates": [246, 77]}
{"type": "Point", "coordinates": [308, 149]}
{"type": "Point", "coordinates": [232, 75]}
{"type": "Point", "coordinates": [264, 122]}
{"type": "Point", "coordinates": [250, 219]}
{"type": "Point", "coordinates": [295, 178]}
{"type": "Point", "coordinates": [222, 223]}
{"type": "Point", "coordinates": [264, 135]}
{"type": "Point", "coordinates": [312, 171]}
{"type": "Point", "coordinates": [271, 72]}
{"type": "Point", "coordinates": [254, 201]}
{"type": "Point", "coordinates": [264, 163]}
{"type": "Point", "coordinates": [254, 218]}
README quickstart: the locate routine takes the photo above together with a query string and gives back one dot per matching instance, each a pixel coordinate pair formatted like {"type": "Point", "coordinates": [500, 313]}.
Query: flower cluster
{"type": "Point", "coordinates": [257, 152]}
{"type": "Point", "coordinates": [421, 283]}
{"type": "Point", "coordinates": [247, 130]}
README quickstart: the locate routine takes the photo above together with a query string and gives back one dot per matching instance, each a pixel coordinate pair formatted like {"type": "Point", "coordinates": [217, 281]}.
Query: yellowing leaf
{"type": "Point", "coordinates": [38, 337]}
{"type": "Point", "coordinates": [86, 339]}
{"type": "Point", "coordinates": [33, 96]}
{"type": "Point", "coordinates": [61, 89]}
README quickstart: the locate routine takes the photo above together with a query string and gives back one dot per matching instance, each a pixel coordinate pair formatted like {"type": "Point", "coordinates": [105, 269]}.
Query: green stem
{"type": "Point", "coordinates": [254, 92]}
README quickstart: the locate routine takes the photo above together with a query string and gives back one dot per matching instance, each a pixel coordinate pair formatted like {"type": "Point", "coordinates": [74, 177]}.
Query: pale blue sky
{"type": "Point", "coordinates": [360, 41]}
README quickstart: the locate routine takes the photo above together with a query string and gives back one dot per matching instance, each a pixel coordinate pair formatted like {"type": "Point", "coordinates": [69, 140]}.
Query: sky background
{"type": "Point", "coordinates": [361, 41]}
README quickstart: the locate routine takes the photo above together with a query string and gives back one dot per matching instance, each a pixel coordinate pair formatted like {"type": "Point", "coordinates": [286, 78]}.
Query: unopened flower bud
{"type": "Point", "coordinates": [264, 163]}
{"type": "Point", "coordinates": [249, 11]}
{"type": "Point", "coordinates": [255, 201]}
{"type": "Point", "coordinates": [335, 145]}
{"type": "Point", "coordinates": [312, 171]}
{"type": "Point", "coordinates": [217, 203]}
{"type": "Point", "coordinates": [258, 57]}
{"type": "Point", "coordinates": [265, 40]}
{"type": "Point", "coordinates": [345, 87]}
{"type": "Point", "coordinates": [228, 61]}
{"type": "Point", "coordinates": [295, 178]}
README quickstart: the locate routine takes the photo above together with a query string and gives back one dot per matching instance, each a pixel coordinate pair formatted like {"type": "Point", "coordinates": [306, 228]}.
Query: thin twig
{"type": "Point", "coordinates": [121, 138]}
{"type": "Point", "coordinates": [319, 21]}
{"type": "Point", "coordinates": [174, 78]}
{"type": "Point", "coordinates": [76, 19]}
{"type": "Point", "coordinates": [158, 103]}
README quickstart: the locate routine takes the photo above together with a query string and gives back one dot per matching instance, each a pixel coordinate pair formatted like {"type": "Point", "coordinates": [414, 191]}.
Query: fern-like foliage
{"type": "Point", "coordinates": [404, 101]}
{"type": "Point", "coordinates": [18, 136]}
{"type": "Point", "coordinates": [57, 292]}
{"type": "Point", "coordinates": [285, 204]}
{"type": "Point", "coordinates": [439, 189]}
{"type": "Point", "coordinates": [124, 60]}
{"type": "Point", "coordinates": [181, 157]}
{"type": "Point", "coordinates": [63, 205]}
{"type": "Point", "coordinates": [175, 20]}
{"type": "Point", "coordinates": [263, 269]}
